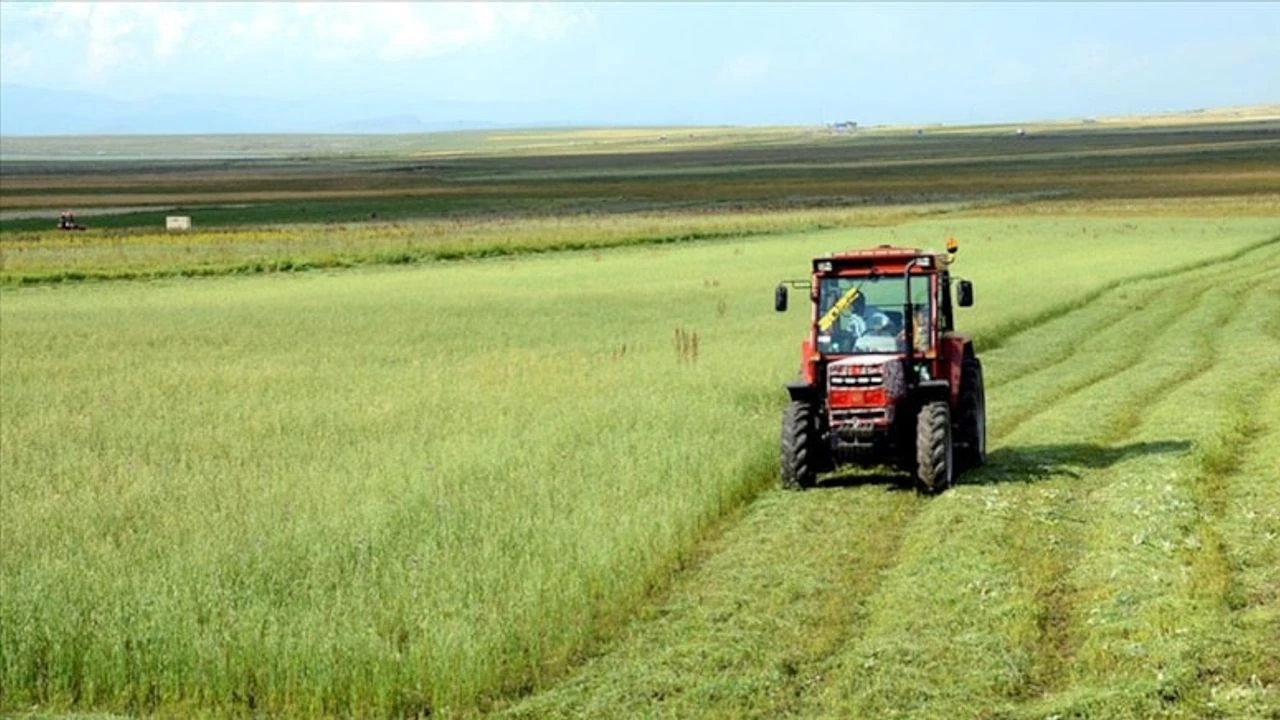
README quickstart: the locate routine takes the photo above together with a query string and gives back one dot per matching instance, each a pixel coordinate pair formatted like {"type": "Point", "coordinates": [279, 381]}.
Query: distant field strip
{"type": "Point", "coordinates": [637, 171]}
{"type": "Point", "coordinates": [51, 257]}
{"type": "Point", "coordinates": [443, 488]}
{"type": "Point", "coordinates": [1117, 558]}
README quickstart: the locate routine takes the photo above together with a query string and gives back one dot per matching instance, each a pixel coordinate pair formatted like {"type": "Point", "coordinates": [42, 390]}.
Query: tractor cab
{"type": "Point", "coordinates": [881, 352]}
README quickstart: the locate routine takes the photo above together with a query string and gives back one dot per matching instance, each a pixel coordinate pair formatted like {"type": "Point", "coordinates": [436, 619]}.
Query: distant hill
{"type": "Point", "coordinates": [406, 124]}
{"type": "Point", "coordinates": [390, 124]}
{"type": "Point", "coordinates": [43, 111]}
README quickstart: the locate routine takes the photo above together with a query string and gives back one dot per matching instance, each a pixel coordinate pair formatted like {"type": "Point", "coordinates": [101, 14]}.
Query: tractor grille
{"type": "Point", "coordinates": [855, 388]}
{"type": "Point", "coordinates": [870, 380]}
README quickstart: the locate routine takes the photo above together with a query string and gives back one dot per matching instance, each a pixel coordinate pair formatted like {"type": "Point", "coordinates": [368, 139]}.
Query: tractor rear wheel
{"type": "Point", "coordinates": [934, 453]}
{"type": "Point", "coordinates": [802, 452]}
{"type": "Point", "coordinates": [971, 430]}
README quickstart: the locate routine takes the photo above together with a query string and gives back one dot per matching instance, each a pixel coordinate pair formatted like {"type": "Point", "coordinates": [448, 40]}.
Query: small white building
{"type": "Point", "coordinates": [177, 222]}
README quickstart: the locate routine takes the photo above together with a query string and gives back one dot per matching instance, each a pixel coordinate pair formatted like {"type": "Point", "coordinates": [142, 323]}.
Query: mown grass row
{"type": "Point", "coordinates": [746, 632]}
{"type": "Point", "coordinates": [1083, 594]}
{"type": "Point", "coordinates": [995, 337]}
{"type": "Point", "coordinates": [420, 489]}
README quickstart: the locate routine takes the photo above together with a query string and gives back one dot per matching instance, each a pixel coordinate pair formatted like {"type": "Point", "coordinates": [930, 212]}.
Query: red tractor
{"type": "Point", "coordinates": [67, 221]}
{"type": "Point", "coordinates": [884, 377]}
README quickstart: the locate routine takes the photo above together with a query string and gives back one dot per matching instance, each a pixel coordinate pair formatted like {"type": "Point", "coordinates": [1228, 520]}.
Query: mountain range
{"type": "Point", "coordinates": [26, 110]}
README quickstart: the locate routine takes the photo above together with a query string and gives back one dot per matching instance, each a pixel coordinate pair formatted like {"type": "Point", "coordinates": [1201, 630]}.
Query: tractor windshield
{"type": "Point", "coordinates": [864, 314]}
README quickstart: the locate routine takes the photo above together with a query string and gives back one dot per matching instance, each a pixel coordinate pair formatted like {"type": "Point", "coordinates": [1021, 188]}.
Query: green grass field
{"type": "Point", "coordinates": [537, 480]}
{"type": "Point", "coordinates": [376, 492]}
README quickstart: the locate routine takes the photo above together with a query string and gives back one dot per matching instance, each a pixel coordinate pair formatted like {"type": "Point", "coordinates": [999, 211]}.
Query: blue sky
{"type": "Point", "coordinates": [653, 63]}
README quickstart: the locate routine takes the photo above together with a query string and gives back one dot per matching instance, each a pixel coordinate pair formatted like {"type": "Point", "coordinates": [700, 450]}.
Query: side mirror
{"type": "Point", "coordinates": [780, 298]}
{"type": "Point", "coordinates": [964, 293]}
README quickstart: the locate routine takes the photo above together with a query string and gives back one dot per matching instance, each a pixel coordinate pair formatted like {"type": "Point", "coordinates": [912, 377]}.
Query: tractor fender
{"type": "Point", "coordinates": [801, 391]}
{"type": "Point", "coordinates": [955, 347]}
{"type": "Point", "coordinates": [928, 391]}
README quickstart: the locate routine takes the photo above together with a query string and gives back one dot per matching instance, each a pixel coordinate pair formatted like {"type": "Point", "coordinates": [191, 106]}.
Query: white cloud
{"type": "Point", "coordinates": [15, 60]}
{"type": "Point", "coordinates": [171, 26]}
{"type": "Point", "coordinates": [105, 35]}
{"type": "Point", "coordinates": [263, 26]}
{"type": "Point", "coordinates": [111, 41]}
{"type": "Point", "coordinates": [419, 31]}
{"type": "Point", "coordinates": [401, 31]}
{"type": "Point", "coordinates": [92, 41]}
{"type": "Point", "coordinates": [746, 70]}
{"type": "Point", "coordinates": [548, 22]}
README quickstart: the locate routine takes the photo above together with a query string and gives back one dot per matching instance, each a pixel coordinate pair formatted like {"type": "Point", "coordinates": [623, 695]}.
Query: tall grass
{"type": "Point", "coordinates": [407, 490]}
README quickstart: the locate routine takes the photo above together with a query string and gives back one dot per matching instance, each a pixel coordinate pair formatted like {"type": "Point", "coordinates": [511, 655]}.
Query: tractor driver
{"type": "Point", "coordinates": [863, 322]}
{"type": "Point", "coordinates": [856, 323]}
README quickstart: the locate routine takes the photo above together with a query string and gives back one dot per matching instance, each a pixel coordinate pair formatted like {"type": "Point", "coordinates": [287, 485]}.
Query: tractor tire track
{"type": "Point", "coordinates": [746, 632]}
{"type": "Point", "coordinates": [1041, 538]}
{"type": "Point", "coordinates": [1184, 297]}
{"type": "Point", "coordinates": [1061, 546]}
{"type": "Point", "coordinates": [1067, 350]}
{"type": "Point", "coordinates": [1223, 463]}
{"type": "Point", "coordinates": [1206, 342]}
{"type": "Point", "coordinates": [1067, 345]}
{"type": "Point", "coordinates": [1139, 344]}
{"type": "Point", "coordinates": [1051, 528]}
{"type": "Point", "coordinates": [998, 336]}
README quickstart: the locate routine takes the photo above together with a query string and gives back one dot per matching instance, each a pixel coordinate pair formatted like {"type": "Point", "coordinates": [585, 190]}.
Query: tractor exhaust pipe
{"type": "Point", "coordinates": [909, 326]}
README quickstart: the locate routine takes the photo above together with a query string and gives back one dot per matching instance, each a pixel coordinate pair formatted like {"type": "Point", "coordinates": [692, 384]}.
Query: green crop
{"type": "Point", "coordinates": [390, 491]}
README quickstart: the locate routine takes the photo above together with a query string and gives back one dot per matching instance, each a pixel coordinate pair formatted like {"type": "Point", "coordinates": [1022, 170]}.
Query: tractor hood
{"type": "Point", "coordinates": [864, 361]}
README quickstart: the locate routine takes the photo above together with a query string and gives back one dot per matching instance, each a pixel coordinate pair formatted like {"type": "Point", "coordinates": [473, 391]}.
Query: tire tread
{"type": "Point", "coordinates": [801, 456]}
{"type": "Point", "coordinates": [933, 436]}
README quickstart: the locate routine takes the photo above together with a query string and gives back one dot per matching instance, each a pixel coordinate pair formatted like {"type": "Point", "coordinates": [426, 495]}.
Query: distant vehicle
{"type": "Point", "coordinates": [67, 221]}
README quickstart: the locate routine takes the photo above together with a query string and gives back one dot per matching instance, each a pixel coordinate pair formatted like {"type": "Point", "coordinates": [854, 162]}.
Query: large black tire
{"type": "Point", "coordinates": [802, 452]}
{"type": "Point", "coordinates": [971, 426]}
{"type": "Point", "coordinates": [935, 462]}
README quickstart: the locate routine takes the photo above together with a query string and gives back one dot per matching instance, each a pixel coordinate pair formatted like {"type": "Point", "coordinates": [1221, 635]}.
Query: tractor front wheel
{"type": "Point", "coordinates": [801, 446]}
{"type": "Point", "coordinates": [972, 427]}
{"type": "Point", "coordinates": [935, 462]}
